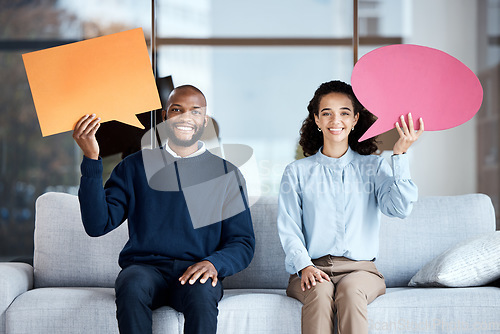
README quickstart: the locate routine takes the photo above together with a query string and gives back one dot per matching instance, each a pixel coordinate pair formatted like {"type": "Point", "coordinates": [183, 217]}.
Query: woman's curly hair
{"type": "Point", "coordinates": [311, 139]}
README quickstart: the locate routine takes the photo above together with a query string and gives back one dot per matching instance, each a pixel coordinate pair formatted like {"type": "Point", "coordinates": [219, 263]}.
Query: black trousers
{"type": "Point", "coordinates": [141, 288]}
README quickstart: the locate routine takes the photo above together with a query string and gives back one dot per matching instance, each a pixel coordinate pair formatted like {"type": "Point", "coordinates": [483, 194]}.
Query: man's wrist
{"type": "Point", "coordinates": [93, 156]}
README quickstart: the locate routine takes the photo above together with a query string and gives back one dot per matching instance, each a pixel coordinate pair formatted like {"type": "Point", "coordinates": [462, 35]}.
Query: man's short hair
{"type": "Point", "coordinates": [191, 87]}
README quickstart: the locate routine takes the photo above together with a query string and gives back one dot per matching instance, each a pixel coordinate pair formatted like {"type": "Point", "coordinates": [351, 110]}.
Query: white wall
{"type": "Point", "coordinates": [444, 162]}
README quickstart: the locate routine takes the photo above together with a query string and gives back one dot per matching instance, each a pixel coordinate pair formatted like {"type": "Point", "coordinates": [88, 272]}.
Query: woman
{"type": "Point", "coordinates": [329, 210]}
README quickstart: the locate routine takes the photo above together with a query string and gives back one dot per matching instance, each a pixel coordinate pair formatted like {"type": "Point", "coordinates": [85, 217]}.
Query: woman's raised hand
{"type": "Point", "coordinates": [407, 134]}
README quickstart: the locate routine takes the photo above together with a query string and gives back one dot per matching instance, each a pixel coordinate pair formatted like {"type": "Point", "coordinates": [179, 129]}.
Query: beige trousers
{"type": "Point", "coordinates": [354, 285]}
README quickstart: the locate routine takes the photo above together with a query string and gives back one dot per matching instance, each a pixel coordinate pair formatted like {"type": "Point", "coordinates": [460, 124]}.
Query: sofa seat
{"type": "Point", "coordinates": [62, 310]}
{"type": "Point", "coordinates": [410, 310]}
{"type": "Point", "coordinates": [258, 311]}
{"type": "Point", "coordinates": [431, 310]}
{"type": "Point", "coordinates": [92, 310]}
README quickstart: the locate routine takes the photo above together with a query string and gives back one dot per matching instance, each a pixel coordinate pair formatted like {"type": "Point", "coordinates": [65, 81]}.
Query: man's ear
{"type": "Point", "coordinates": [164, 115]}
{"type": "Point", "coordinates": [205, 122]}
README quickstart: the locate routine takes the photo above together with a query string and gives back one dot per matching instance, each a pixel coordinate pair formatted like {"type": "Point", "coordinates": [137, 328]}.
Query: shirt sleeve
{"type": "Point", "coordinates": [290, 223]}
{"type": "Point", "coordinates": [394, 189]}
{"type": "Point", "coordinates": [102, 208]}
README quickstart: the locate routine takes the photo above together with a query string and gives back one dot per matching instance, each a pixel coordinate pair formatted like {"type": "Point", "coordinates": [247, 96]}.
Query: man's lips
{"type": "Point", "coordinates": [184, 127]}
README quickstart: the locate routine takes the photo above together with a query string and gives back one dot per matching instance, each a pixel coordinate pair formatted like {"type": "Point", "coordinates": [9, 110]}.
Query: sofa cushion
{"type": "Point", "coordinates": [267, 269]}
{"type": "Point", "coordinates": [92, 310]}
{"type": "Point", "coordinates": [470, 263]}
{"type": "Point", "coordinates": [64, 254]}
{"type": "Point", "coordinates": [61, 310]}
{"type": "Point", "coordinates": [435, 224]}
{"type": "Point", "coordinates": [75, 310]}
{"type": "Point", "coordinates": [436, 310]}
{"type": "Point", "coordinates": [258, 311]}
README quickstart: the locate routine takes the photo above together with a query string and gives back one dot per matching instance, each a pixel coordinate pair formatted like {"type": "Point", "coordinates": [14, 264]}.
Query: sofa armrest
{"type": "Point", "coordinates": [15, 279]}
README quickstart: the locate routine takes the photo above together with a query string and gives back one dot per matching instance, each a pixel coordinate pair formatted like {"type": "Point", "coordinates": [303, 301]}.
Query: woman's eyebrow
{"type": "Point", "coordinates": [341, 108]}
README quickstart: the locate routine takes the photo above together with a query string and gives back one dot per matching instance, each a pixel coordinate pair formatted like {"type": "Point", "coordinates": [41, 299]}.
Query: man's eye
{"type": "Point", "coordinates": [196, 112]}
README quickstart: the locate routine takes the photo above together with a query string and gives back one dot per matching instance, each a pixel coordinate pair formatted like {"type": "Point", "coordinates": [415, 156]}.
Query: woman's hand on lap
{"type": "Point", "coordinates": [310, 275]}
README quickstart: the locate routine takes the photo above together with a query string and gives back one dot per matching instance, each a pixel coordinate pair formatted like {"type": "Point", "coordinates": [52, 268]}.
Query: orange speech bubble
{"type": "Point", "coordinates": [110, 76]}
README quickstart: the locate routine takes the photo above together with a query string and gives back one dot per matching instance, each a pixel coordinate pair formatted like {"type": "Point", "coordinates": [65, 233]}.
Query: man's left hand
{"type": "Point", "coordinates": [204, 269]}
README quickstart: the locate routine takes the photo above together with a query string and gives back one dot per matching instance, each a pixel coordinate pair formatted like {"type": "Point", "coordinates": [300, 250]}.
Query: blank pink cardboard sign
{"type": "Point", "coordinates": [398, 79]}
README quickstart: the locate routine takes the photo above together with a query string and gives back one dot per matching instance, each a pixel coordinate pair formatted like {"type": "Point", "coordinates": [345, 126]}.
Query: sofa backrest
{"type": "Point", "coordinates": [66, 256]}
{"type": "Point", "coordinates": [435, 224]}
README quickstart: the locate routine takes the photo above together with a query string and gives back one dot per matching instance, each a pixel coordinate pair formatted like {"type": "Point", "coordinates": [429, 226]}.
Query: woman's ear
{"type": "Point", "coordinates": [356, 117]}
{"type": "Point", "coordinates": [316, 119]}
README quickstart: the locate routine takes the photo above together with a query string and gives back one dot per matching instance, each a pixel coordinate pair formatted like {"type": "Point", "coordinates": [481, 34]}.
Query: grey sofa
{"type": "Point", "coordinates": [70, 287]}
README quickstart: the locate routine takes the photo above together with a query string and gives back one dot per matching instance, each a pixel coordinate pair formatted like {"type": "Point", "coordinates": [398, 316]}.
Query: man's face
{"type": "Point", "coordinates": [186, 117]}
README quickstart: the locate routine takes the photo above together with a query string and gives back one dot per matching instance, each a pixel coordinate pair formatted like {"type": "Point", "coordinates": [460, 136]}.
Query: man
{"type": "Point", "coordinates": [171, 258]}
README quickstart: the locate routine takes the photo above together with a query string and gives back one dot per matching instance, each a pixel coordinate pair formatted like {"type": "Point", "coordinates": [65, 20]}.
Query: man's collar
{"type": "Point", "coordinates": [201, 149]}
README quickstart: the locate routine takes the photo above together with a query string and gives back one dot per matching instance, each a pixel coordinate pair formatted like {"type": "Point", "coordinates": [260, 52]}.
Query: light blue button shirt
{"type": "Point", "coordinates": [330, 206]}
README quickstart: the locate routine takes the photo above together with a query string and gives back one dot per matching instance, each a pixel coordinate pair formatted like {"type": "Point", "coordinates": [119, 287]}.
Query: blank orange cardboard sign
{"type": "Point", "coordinates": [110, 76]}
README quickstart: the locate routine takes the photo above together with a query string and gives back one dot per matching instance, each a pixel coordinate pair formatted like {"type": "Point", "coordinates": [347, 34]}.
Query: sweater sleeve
{"type": "Point", "coordinates": [102, 208]}
{"type": "Point", "coordinates": [290, 223]}
{"type": "Point", "coordinates": [237, 244]}
{"type": "Point", "coordinates": [394, 189]}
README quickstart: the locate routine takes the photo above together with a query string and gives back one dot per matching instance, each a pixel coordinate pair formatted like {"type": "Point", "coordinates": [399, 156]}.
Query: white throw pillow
{"type": "Point", "coordinates": [470, 263]}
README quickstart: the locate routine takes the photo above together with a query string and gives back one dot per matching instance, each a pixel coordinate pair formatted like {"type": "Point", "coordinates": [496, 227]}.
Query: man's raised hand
{"type": "Point", "coordinates": [84, 135]}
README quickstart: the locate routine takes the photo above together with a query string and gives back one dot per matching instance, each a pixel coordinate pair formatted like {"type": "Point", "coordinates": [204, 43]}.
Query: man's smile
{"type": "Point", "coordinates": [184, 127]}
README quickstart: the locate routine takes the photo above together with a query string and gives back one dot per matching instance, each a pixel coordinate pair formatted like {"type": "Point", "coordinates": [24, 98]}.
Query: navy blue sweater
{"type": "Point", "coordinates": [159, 221]}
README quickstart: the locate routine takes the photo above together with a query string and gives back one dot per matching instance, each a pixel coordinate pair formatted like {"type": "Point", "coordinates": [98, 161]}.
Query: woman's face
{"type": "Point", "coordinates": [336, 117]}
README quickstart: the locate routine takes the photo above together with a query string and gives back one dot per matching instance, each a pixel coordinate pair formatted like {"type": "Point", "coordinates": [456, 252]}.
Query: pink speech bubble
{"type": "Point", "coordinates": [398, 79]}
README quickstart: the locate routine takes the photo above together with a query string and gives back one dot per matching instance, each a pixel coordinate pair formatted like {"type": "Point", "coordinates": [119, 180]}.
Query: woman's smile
{"type": "Point", "coordinates": [335, 130]}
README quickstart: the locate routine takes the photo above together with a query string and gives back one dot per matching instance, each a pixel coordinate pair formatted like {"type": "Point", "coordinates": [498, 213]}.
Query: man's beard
{"type": "Point", "coordinates": [198, 132]}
